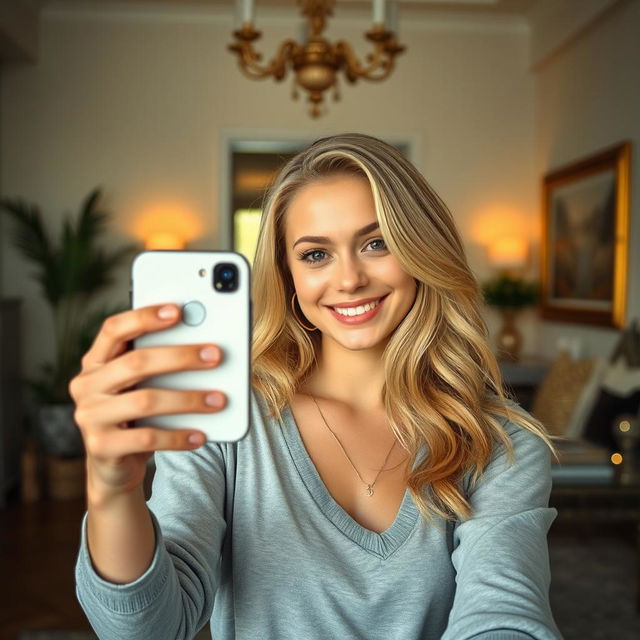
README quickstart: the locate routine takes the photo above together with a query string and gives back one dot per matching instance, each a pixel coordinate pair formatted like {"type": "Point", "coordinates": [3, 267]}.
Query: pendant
{"type": "Point", "coordinates": [370, 490]}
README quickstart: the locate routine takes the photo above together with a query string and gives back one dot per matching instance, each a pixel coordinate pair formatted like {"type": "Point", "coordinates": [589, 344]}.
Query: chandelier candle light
{"type": "Point", "coordinates": [316, 61]}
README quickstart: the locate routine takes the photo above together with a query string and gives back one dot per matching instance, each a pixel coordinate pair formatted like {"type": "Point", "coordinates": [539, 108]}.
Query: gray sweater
{"type": "Point", "coordinates": [249, 538]}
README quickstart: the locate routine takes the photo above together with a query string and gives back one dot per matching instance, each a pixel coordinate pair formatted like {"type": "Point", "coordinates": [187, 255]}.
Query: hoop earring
{"type": "Point", "coordinates": [295, 315]}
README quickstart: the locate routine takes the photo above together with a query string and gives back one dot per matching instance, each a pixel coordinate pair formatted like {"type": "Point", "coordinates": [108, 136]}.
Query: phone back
{"type": "Point", "coordinates": [186, 278]}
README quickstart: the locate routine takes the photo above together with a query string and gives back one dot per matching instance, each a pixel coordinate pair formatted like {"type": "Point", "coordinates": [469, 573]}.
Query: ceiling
{"type": "Point", "coordinates": [496, 7]}
{"type": "Point", "coordinates": [19, 19]}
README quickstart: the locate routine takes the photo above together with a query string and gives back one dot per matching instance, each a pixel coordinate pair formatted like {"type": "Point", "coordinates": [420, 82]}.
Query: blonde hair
{"type": "Point", "coordinates": [442, 386]}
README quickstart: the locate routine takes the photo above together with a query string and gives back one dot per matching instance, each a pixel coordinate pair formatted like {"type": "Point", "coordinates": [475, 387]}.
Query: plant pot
{"type": "Point", "coordinates": [509, 339]}
{"type": "Point", "coordinates": [57, 431]}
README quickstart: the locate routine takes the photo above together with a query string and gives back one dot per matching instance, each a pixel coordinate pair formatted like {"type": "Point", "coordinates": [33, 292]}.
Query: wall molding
{"type": "Point", "coordinates": [557, 24]}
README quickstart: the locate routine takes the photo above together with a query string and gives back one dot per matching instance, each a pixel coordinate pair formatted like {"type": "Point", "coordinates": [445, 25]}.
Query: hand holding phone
{"type": "Point", "coordinates": [106, 404]}
{"type": "Point", "coordinates": [115, 388]}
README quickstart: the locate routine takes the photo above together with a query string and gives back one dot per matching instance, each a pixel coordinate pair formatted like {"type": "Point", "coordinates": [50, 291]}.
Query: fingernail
{"type": "Point", "coordinates": [213, 399]}
{"type": "Point", "coordinates": [196, 438]}
{"type": "Point", "coordinates": [167, 312]}
{"type": "Point", "coordinates": [210, 354]}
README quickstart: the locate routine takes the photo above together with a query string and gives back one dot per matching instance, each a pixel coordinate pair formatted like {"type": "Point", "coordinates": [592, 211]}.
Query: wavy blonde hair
{"type": "Point", "coordinates": [442, 382]}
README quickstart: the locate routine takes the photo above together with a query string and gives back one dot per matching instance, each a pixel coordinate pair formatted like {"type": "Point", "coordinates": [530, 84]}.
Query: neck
{"type": "Point", "coordinates": [352, 377]}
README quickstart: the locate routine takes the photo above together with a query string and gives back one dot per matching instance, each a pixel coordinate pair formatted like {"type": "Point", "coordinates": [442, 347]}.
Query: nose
{"type": "Point", "coordinates": [349, 274]}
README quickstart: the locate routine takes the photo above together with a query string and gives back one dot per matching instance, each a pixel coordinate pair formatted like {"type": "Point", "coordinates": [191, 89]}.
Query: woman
{"type": "Point", "coordinates": [387, 487]}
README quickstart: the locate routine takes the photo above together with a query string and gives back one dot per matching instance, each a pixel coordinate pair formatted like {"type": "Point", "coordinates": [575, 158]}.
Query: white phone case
{"type": "Point", "coordinates": [207, 316]}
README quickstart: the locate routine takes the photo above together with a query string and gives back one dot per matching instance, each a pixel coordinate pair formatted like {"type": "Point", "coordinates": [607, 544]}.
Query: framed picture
{"type": "Point", "coordinates": [585, 239]}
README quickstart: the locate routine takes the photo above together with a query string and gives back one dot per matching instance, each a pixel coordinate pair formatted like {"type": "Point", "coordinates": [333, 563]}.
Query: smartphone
{"type": "Point", "coordinates": [212, 290]}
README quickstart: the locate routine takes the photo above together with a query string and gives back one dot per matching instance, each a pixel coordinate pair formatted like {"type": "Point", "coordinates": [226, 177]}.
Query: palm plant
{"type": "Point", "coordinates": [71, 275]}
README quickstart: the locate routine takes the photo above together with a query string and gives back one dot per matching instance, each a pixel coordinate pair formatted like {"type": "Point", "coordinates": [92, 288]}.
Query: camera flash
{"type": "Point", "coordinates": [202, 273]}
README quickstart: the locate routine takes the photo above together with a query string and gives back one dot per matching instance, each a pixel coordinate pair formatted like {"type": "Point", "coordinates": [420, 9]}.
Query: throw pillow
{"type": "Point", "coordinates": [559, 391]}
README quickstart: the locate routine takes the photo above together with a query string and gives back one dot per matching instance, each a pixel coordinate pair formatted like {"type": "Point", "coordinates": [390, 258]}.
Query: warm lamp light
{"type": "Point", "coordinates": [167, 225]}
{"type": "Point", "coordinates": [164, 240]}
{"type": "Point", "coordinates": [508, 253]}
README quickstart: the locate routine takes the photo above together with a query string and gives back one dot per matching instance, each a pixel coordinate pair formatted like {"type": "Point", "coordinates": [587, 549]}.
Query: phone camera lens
{"type": "Point", "coordinates": [225, 277]}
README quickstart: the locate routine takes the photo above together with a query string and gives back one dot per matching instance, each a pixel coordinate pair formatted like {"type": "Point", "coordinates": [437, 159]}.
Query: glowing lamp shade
{"type": "Point", "coordinates": [164, 240]}
{"type": "Point", "coordinates": [508, 253]}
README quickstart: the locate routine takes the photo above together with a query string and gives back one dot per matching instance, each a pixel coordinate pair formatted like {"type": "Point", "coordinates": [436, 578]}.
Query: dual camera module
{"type": "Point", "coordinates": [225, 277]}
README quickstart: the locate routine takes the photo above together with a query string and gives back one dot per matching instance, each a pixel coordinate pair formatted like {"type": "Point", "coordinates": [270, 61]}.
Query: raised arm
{"type": "Point", "coordinates": [125, 567]}
{"type": "Point", "coordinates": [174, 597]}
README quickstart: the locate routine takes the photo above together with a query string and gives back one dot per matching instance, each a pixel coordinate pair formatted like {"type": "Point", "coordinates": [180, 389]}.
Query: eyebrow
{"type": "Point", "coordinates": [324, 239]}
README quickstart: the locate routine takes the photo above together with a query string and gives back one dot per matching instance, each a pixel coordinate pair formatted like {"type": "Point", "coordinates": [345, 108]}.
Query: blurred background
{"type": "Point", "coordinates": [129, 125]}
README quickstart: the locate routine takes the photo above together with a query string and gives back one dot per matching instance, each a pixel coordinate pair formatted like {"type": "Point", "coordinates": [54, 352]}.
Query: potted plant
{"type": "Point", "coordinates": [71, 274]}
{"type": "Point", "coordinates": [509, 294]}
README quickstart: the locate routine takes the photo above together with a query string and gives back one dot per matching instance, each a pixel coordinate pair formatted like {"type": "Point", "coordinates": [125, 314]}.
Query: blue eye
{"type": "Point", "coordinates": [306, 256]}
{"type": "Point", "coordinates": [379, 240]}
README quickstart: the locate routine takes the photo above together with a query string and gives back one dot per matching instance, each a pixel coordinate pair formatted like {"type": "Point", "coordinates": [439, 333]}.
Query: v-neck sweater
{"type": "Point", "coordinates": [249, 538]}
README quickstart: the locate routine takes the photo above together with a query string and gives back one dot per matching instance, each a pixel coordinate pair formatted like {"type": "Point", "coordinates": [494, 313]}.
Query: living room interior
{"type": "Point", "coordinates": [521, 114]}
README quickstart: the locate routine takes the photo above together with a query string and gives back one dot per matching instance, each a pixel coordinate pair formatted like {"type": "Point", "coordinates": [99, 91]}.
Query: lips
{"type": "Point", "coordinates": [359, 319]}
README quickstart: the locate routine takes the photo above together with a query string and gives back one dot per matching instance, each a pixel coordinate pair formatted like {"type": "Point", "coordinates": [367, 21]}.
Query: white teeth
{"type": "Point", "coordinates": [357, 311]}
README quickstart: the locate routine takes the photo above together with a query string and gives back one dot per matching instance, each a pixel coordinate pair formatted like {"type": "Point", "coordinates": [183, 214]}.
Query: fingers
{"type": "Point", "coordinates": [108, 369]}
{"type": "Point", "coordinates": [133, 405]}
{"type": "Point", "coordinates": [136, 365]}
{"type": "Point", "coordinates": [117, 443]}
{"type": "Point", "coordinates": [117, 330]}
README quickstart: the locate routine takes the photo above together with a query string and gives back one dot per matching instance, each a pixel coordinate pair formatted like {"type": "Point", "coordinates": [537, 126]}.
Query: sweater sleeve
{"type": "Point", "coordinates": [500, 554]}
{"type": "Point", "coordinates": [174, 597]}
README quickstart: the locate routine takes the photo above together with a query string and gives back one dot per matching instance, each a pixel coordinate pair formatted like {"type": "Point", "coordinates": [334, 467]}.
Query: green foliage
{"type": "Point", "coordinates": [71, 275]}
{"type": "Point", "coordinates": [507, 292]}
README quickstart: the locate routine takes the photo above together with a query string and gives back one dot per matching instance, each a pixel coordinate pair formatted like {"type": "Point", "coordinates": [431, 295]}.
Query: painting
{"type": "Point", "coordinates": [585, 241]}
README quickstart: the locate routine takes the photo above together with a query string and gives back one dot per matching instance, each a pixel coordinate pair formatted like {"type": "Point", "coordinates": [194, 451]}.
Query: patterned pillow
{"type": "Point", "coordinates": [559, 392]}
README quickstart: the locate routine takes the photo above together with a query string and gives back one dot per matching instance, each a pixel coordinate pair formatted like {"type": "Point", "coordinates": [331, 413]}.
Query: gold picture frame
{"type": "Point", "coordinates": [585, 239]}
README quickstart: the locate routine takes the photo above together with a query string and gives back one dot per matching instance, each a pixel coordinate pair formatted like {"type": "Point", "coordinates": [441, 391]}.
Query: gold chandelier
{"type": "Point", "coordinates": [317, 61]}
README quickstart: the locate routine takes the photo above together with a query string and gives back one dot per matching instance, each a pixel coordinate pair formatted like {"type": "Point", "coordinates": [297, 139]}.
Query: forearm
{"type": "Point", "coordinates": [135, 583]}
{"type": "Point", "coordinates": [120, 536]}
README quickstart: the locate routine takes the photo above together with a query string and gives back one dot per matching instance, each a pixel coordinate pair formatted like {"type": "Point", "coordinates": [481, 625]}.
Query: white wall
{"type": "Point", "coordinates": [587, 99]}
{"type": "Point", "coordinates": [140, 101]}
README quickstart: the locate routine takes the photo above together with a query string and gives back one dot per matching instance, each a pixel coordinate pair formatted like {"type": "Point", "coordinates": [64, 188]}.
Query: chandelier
{"type": "Point", "coordinates": [316, 62]}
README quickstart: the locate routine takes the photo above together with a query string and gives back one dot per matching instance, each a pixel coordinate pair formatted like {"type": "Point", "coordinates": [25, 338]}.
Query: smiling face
{"type": "Point", "coordinates": [346, 263]}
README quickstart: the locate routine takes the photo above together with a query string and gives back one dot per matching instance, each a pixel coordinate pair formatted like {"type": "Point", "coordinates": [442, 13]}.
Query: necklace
{"type": "Point", "coordinates": [369, 486]}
